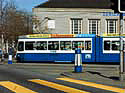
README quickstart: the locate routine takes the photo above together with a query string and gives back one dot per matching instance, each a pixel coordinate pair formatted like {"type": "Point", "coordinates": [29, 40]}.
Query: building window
{"type": "Point", "coordinates": [76, 25]}
{"type": "Point", "coordinates": [94, 26]}
{"type": "Point", "coordinates": [111, 26]}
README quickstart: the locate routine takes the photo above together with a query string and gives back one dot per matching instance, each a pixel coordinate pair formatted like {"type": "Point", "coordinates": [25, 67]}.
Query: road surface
{"type": "Point", "coordinates": [19, 79]}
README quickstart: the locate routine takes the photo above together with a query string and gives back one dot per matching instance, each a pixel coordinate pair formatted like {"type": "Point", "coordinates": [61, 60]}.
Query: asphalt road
{"type": "Point", "coordinates": [42, 78]}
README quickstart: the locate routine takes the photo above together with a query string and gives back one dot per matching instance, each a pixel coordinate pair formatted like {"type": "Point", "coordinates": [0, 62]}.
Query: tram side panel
{"type": "Point", "coordinates": [48, 57]}
{"type": "Point", "coordinates": [109, 51]}
{"type": "Point", "coordinates": [20, 57]}
{"type": "Point", "coordinates": [97, 49]}
{"type": "Point", "coordinates": [89, 57]}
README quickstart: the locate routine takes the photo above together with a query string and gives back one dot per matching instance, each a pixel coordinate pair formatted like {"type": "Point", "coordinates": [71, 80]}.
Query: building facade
{"type": "Point", "coordinates": [76, 17]}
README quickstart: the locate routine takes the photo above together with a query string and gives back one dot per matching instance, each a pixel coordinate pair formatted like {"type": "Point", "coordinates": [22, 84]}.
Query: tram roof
{"type": "Point", "coordinates": [67, 36]}
{"type": "Point", "coordinates": [113, 35]}
{"type": "Point", "coordinates": [56, 36]}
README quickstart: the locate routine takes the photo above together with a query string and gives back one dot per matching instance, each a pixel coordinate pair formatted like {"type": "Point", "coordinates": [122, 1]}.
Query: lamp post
{"type": "Point", "coordinates": [2, 46]}
{"type": "Point", "coordinates": [122, 63]}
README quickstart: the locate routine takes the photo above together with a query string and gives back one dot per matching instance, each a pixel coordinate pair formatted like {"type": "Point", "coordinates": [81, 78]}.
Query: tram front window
{"type": "Point", "coordinates": [41, 45]}
{"type": "Point", "coordinates": [21, 46]}
{"type": "Point", "coordinates": [65, 45]}
{"type": "Point", "coordinates": [30, 45]}
{"type": "Point", "coordinates": [53, 45]}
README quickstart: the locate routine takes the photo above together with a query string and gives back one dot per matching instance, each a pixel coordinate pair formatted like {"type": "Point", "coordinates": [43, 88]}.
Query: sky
{"type": "Point", "coordinates": [28, 4]}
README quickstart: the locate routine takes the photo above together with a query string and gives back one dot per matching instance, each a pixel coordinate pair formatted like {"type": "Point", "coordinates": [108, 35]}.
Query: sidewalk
{"type": "Point", "coordinates": [100, 76]}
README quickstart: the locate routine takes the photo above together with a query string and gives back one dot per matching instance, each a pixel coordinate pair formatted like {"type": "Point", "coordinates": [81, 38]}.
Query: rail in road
{"type": "Point", "coordinates": [17, 88]}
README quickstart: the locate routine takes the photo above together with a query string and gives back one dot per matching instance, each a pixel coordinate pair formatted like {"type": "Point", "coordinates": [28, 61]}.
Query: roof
{"type": "Point", "coordinates": [55, 36]}
{"type": "Point", "coordinates": [102, 4]}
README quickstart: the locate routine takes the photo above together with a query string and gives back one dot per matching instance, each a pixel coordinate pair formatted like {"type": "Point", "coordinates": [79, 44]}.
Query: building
{"type": "Point", "coordinates": [76, 17]}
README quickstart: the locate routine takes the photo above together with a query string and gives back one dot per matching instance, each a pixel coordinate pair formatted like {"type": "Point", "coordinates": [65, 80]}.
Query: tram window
{"type": "Point", "coordinates": [75, 44]}
{"type": "Point", "coordinates": [107, 45]}
{"type": "Point", "coordinates": [53, 45]}
{"type": "Point", "coordinates": [30, 45]}
{"type": "Point", "coordinates": [115, 45]}
{"type": "Point", "coordinates": [21, 46]}
{"type": "Point", "coordinates": [65, 45]}
{"type": "Point", "coordinates": [87, 45]}
{"type": "Point", "coordinates": [41, 45]}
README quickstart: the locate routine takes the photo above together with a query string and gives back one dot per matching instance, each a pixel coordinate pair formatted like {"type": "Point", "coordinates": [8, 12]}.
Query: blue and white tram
{"type": "Point", "coordinates": [54, 47]}
{"type": "Point", "coordinates": [61, 48]}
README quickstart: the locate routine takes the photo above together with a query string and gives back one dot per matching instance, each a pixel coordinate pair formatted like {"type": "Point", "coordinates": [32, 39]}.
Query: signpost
{"type": "Point", "coordinates": [121, 9]}
{"type": "Point", "coordinates": [122, 68]}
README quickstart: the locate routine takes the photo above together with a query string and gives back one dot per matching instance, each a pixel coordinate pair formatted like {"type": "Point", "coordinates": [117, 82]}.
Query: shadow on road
{"type": "Point", "coordinates": [98, 73]}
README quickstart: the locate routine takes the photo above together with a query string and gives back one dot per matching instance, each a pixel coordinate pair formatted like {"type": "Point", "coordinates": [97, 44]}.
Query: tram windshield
{"type": "Point", "coordinates": [21, 46]}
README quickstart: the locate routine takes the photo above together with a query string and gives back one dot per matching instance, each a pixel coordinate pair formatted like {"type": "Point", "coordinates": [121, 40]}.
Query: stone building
{"type": "Point", "coordinates": [76, 17]}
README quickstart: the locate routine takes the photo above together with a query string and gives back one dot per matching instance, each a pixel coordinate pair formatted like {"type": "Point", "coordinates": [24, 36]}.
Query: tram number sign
{"type": "Point", "coordinates": [121, 6]}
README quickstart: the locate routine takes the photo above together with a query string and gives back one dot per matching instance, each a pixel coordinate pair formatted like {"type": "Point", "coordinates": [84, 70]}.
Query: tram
{"type": "Point", "coordinates": [61, 48]}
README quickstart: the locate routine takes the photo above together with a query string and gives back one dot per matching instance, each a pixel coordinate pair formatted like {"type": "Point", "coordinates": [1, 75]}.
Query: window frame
{"type": "Point", "coordinates": [79, 25]}
{"type": "Point", "coordinates": [114, 26]}
{"type": "Point", "coordinates": [97, 26]}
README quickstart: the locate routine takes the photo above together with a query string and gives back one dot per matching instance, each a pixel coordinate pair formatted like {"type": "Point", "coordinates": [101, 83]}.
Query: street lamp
{"type": "Point", "coordinates": [2, 46]}
{"type": "Point", "coordinates": [122, 63]}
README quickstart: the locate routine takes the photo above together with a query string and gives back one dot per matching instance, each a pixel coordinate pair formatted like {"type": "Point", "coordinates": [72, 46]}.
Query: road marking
{"type": "Point", "coordinates": [15, 87]}
{"type": "Point", "coordinates": [110, 88]}
{"type": "Point", "coordinates": [58, 86]}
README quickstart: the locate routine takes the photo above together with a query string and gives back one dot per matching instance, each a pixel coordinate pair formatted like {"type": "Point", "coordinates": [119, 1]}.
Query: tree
{"type": "Point", "coordinates": [13, 22]}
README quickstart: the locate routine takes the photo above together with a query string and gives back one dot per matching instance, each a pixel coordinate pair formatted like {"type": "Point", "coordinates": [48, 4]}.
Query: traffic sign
{"type": "Point", "coordinates": [121, 6]}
